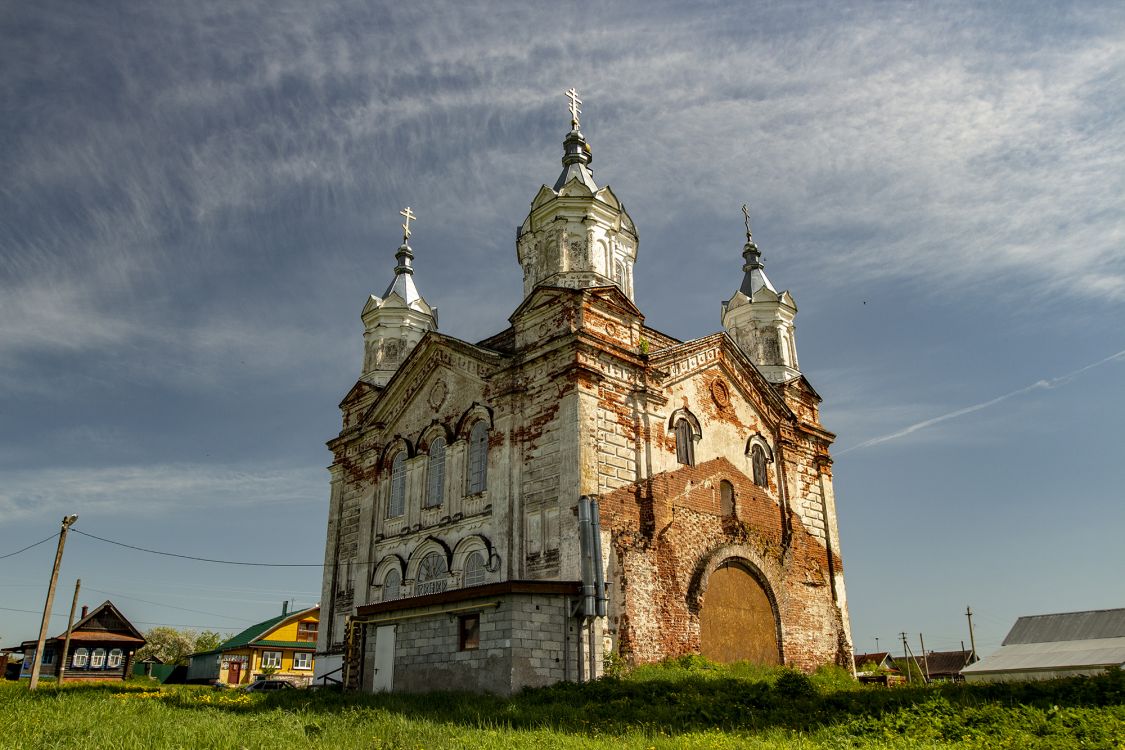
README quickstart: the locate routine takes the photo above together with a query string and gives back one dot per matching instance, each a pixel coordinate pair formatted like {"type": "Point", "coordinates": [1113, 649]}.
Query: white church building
{"type": "Point", "coordinates": [508, 512]}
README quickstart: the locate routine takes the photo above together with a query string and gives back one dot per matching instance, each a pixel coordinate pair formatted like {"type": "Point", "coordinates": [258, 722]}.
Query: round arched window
{"type": "Point", "coordinates": [475, 572]}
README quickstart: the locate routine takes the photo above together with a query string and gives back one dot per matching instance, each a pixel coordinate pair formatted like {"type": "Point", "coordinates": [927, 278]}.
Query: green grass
{"type": "Point", "coordinates": [686, 703]}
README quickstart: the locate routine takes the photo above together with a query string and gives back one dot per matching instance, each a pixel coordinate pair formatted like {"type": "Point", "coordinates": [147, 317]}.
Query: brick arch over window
{"type": "Point", "coordinates": [475, 544]}
{"type": "Point", "coordinates": [476, 413]}
{"type": "Point", "coordinates": [431, 432]}
{"type": "Point", "coordinates": [387, 564]}
{"type": "Point", "coordinates": [429, 545]}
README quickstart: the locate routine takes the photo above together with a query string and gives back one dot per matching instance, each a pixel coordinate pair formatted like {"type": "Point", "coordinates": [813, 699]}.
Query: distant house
{"type": "Point", "coordinates": [102, 644]}
{"type": "Point", "coordinates": [1060, 645]}
{"type": "Point", "coordinates": [881, 661]}
{"type": "Point", "coordinates": [281, 647]}
{"type": "Point", "coordinates": [941, 665]}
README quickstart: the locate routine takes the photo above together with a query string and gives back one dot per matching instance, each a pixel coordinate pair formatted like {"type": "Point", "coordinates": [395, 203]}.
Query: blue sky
{"type": "Point", "coordinates": [197, 198]}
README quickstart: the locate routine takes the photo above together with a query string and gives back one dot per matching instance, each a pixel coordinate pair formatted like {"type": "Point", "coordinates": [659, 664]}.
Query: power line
{"type": "Point", "coordinates": [169, 606]}
{"type": "Point", "coordinates": [193, 557]}
{"type": "Point", "coordinates": [138, 622]}
{"type": "Point", "coordinates": [25, 549]}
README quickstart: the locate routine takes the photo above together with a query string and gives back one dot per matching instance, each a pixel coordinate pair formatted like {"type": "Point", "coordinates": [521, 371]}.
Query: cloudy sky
{"type": "Point", "coordinates": [197, 198]}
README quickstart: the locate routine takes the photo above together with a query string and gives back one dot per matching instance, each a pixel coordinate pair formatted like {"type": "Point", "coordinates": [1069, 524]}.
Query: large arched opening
{"type": "Point", "coordinates": [737, 619]}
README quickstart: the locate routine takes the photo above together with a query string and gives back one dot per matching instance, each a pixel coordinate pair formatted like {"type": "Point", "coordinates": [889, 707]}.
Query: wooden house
{"type": "Point", "coordinates": [281, 648]}
{"type": "Point", "coordinates": [102, 644]}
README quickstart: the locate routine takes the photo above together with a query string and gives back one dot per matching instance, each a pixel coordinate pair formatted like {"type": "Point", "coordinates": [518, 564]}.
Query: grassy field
{"type": "Point", "coordinates": [684, 704]}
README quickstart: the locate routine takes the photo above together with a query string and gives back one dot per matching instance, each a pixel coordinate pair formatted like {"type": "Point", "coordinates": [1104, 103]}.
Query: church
{"type": "Point", "coordinates": [579, 487]}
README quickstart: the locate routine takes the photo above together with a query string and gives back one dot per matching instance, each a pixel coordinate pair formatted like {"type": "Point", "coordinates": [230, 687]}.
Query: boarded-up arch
{"type": "Point", "coordinates": [737, 621]}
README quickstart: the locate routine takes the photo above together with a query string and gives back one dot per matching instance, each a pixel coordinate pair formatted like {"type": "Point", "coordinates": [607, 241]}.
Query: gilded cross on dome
{"type": "Point", "coordinates": [406, 227]}
{"type": "Point", "coordinates": [574, 110]}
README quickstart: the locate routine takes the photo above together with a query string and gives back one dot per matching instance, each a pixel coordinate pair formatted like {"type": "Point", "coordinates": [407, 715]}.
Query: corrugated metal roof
{"type": "Point", "coordinates": [1068, 626]}
{"type": "Point", "coordinates": [1090, 652]}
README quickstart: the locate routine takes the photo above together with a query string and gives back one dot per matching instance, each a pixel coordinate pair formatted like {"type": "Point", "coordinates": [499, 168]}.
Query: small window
{"type": "Point", "coordinates": [726, 498]}
{"type": "Point", "coordinates": [475, 572]}
{"type": "Point", "coordinates": [477, 476]}
{"type": "Point", "coordinates": [685, 448]}
{"type": "Point", "coordinates": [469, 632]}
{"type": "Point", "coordinates": [432, 576]}
{"type": "Point", "coordinates": [49, 656]}
{"type": "Point", "coordinates": [392, 586]}
{"type": "Point", "coordinates": [758, 460]}
{"type": "Point", "coordinates": [271, 660]}
{"type": "Point", "coordinates": [302, 660]}
{"type": "Point", "coordinates": [115, 659]}
{"type": "Point", "coordinates": [398, 486]}
{"type": "Point", "coordinates": [81, 657]}
{"type": "Point", "coordinates": [97, 661]}
{"type": "Point", "coordinates": [306, 631]}
{"type": "Point", "coordinates": [435, 474]}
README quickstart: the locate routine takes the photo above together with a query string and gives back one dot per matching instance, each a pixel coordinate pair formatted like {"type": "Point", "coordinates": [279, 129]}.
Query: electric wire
{"type": "Point", "coordinates": [25, 549]}
{"type": "Point", "coordinates": [169, 606]}
{"type": "Point", "coordinates": [199, 559]}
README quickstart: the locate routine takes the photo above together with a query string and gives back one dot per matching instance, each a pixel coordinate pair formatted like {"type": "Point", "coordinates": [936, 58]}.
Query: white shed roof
{"type": "Point", "coordinates": [1091, 652]}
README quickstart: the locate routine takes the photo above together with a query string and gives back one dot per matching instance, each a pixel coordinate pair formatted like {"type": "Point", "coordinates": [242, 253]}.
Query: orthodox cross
{"type": "Point", "coordinates": [406, 227]}
{"type": "Point", "coordinates": [574, 110]}
{"type": "Point", "coordinates": [746, 218]}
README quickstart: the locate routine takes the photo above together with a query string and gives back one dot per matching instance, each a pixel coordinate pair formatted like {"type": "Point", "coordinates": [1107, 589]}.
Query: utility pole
{"type": "Point", "coordinates": [37, 662]}
{"type": "Point", "coordinates": [69, 627]}
{"type": "Point", "coordinates": [925, 659]}
{"type": "Point", "coordinates": [972, 640]}
{"type": "Point", "coordinates": [906, 657]}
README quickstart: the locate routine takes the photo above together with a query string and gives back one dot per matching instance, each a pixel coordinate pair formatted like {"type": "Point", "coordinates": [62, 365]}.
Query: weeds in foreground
{"type": "Point", "coordinates": [686, 703]}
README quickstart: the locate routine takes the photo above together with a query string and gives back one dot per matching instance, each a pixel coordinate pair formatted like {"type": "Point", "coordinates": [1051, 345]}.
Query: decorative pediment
{"type": "Point", "coordinates": [435, 351]}
{"type": "Point", "coordinates": [358, 391]}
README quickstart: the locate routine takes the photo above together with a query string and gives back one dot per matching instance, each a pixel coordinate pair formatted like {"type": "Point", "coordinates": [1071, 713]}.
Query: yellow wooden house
{"type": "Point", "coordinates": [279, 648]}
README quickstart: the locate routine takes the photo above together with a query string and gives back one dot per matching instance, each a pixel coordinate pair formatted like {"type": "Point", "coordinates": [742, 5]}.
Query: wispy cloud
{"type": "Point", "coordinates": [1036, 386]}
{"type": "Point", "coordinates": [154, 490]}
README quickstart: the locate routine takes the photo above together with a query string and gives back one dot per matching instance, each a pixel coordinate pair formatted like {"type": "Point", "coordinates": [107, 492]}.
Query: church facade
{"type": "Point", "coordinates": [510, 512]}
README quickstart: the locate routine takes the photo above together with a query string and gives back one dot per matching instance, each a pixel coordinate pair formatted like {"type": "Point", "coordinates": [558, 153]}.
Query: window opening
{"type": "Point", "coordinates": [726, 498]}
{"type": "Point", "coordinates": [302, 660]}
{"type": "Point", "coordinates": [97, 661]}
{"type": "Point", "coordinates": [432, 575]}
{"type": "Point", "coordinates": [477, 478]}
{"type": "Point", "coordinates": [114, 658]}
{"type": "Point", "coordinates": [398, 485]}
{"type": "Point", "coordinates": [758, 460]}
{"type": "Point", "coordinates": [435, 480]}
{"type": "Point", "coordinates": [271, 660]}
{"type": "Point", "coordinates": [392, 586]}
{"type": "Point", "coordinates": [475, 572]}
{"type": "Point", "coordinates": [306, 631]}
{"type": "Point", "coordinates": [469, 632]}
{"type": "Point", "coordinates": [685, 450]}
{"type": "Point", "coordinates": [81, 657]}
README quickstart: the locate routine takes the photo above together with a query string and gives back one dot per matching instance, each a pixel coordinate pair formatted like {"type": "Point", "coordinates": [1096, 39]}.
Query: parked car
{"type": "Point", "coordinates": [264, 685]}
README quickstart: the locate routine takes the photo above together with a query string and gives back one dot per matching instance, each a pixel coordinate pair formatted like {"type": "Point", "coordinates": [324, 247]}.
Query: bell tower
{"type": "Point", "coordinates": [760, 319]}
{"type": "Point", "coordinates": [577, 235]}
{"type": "Point", "coordinates": [394, 323]}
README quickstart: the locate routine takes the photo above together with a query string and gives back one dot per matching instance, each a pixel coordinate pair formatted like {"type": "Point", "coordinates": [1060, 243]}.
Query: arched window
{"type": "Point", "coordinates": [685, 450]}
{"type": "Point", "coordinates": [97, 661]}
{"type": "Point", "coordinates": [114, 659]}
{"type": "Point", "coordinates": [476, 479]}
{"type": "Point", "coordinates": [435, 474]}
{"type": "Point", "coordinates": [475, 572]}
{"type": "Point", "coordinates": [758, 460]}
{"type": "Point", "coordinates": [398, 486]}
{"type": "Point", "coordinates": [392, 585]}
{"type": "Point", "coordinates": [726, 498]}
{"type": "Point", "coordinates": [81, 657]}
{"type": "Point", "coordinates": [432, 575]}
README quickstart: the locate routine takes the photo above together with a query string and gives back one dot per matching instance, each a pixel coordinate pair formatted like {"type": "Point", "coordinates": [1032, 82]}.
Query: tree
{"type": "Point", "coordinates": [175, 645]}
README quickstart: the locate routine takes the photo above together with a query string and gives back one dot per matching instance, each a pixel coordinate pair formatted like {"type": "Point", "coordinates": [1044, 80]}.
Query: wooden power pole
{"type": "Point", "coordinates": [972, 640]}
{"type": "Point", "coordinates": [69, 627]}
{"type": "Point", "coordinates": [37, 661]}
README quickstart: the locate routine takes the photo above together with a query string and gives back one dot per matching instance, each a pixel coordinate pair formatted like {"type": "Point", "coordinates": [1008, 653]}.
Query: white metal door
{"type": "Point", "coordinates": [384, 658]}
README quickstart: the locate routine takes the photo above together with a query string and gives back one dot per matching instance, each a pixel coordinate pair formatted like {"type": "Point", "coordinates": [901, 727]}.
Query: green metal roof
{"type": "Point", "coordinates": [251, 634]}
